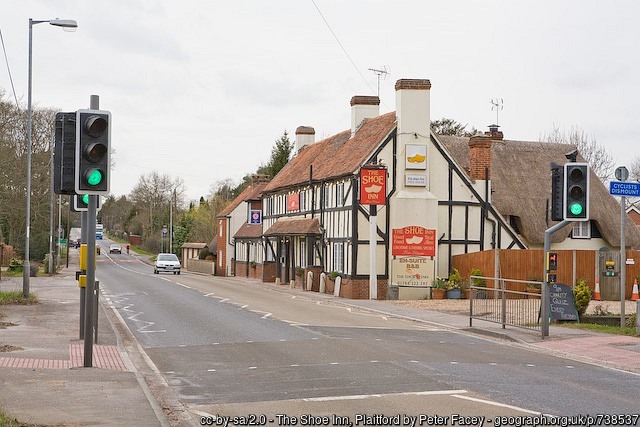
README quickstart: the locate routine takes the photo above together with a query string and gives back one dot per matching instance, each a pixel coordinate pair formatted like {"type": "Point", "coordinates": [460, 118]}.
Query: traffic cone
{"type": "Point", "coordinates": [634, 292]}
{"type": "Point", "coordinates": [596, 293]}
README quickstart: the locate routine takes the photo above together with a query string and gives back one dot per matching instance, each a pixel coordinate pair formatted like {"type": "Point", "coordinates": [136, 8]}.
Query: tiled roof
{"type": "Point", "coordinates": [190, 245]}
{"type": "Point", "coordinates": [291, 227]}
{"type": "Point", "coordinates": [249, 231]}
{"type": "Point", "coordinates": [335, 156]}
{"type": "Point", "coordinates": [252, 192]}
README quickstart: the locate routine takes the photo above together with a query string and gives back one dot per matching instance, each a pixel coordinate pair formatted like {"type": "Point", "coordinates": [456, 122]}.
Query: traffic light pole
{"type": "Point", "coordinates": [544, 304]}
{"type": "Point", "coordinates": [90, 299]}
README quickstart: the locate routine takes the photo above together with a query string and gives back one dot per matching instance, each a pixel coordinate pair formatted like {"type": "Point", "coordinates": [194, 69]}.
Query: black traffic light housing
{"type": "Point", "coordinates": [557, 192]}
{"type": "Point", "coordinates": [64, 153]}
{"type": "Point", "coordinates": [93, 157]}
{"type": "Point", "coordinates": [576, 191]}
{"type": "Point", "coordinates": [81, 203]}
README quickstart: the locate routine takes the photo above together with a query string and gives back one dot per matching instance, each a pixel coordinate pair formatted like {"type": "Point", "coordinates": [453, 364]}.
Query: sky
{"type": "Point", "coordinates": [201, 90]}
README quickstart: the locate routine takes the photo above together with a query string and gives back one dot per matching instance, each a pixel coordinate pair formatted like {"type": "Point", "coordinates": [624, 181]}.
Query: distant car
{"type": "Point", "coordinates": [115, 248]}
{"type": "Point", "coordinates": [166, 262]}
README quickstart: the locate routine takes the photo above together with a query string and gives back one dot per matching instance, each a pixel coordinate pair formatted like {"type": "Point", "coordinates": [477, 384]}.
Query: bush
{"type": "Point", "coordinates": [477, 272]}
{"type": "Point", "coordinates": [582, 295]}
{"type": "Point", "coordinates": [204, 253]}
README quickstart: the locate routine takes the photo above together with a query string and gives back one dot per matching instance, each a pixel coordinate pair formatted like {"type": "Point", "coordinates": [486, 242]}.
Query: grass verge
{"type": "Point", "coordinates": [617, 330]}
{"type": "Point", "coordinates": [15, 298]}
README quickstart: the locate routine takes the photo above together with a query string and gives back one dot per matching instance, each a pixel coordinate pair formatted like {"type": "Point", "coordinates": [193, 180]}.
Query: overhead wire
{"type": "Point", "coordinates": [335, 36]}
{"type": "Point", "coordinates": [9, 69]}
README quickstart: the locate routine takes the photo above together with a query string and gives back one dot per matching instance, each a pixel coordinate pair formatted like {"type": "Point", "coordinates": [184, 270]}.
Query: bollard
{"type": "Point", "coordinates": [336, 290]}
{"type": "Point", "coordinates": [637, 317]}
{"type": "Point", "coordinates": [309, 280]}
{"type": "Point", "coordinates": [323, 283]}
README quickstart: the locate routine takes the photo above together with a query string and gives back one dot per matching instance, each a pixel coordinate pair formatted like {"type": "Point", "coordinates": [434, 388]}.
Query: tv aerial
{"type": "Point", "coordinates": [498, 105]}
{"type": "Point", "coordinates": [382, 73]}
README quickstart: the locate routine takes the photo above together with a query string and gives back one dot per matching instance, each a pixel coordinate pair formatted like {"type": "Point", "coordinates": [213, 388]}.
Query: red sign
{"type": "Point", "coordinates": [293, 202]}
{"type": "Point", "coordinates": [413, 241]}
{"type": "Point", "coordinates": [373, 186]}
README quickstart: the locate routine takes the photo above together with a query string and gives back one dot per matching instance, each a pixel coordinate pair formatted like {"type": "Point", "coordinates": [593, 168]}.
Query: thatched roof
{"type": "Point", "coordinates": [521, 185]}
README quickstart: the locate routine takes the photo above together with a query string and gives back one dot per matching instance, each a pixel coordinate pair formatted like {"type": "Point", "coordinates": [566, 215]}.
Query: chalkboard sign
{"type": "Point", "coordinates": [562, 305]}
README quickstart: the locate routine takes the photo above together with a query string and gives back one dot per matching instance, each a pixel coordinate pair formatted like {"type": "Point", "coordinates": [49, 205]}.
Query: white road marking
{"type": "Point", "coordinates": [500, 405]}
{"type": "Point", "coordinates": [368, 396]}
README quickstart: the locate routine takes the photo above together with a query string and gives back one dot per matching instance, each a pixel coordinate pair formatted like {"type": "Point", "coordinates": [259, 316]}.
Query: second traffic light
{"type": "Point", "coordinates": [93, 157]}
{"type": "Point", "coordinates": [576, 191]}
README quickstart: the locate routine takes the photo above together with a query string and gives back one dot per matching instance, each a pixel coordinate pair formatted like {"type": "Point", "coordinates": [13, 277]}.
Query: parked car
{"type": "Point", "coordinates": [166, 262]}
{"type": "Point", "coordinates": [115, 248]}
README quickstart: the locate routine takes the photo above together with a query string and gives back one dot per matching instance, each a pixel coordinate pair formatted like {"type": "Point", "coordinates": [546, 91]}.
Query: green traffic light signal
{"type": "Point", "coordinates": [94, 177]}
{"type": "Point", "coordinates": [85, 199]}
{"type": "Point", "coordinates": [576, 208]}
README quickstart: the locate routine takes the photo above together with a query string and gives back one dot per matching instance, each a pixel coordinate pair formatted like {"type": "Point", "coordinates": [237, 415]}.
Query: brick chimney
{"type": "Point", "coordinates": [480, 156]}
{"type": "Point", "coordinates": [494, 133]}
{"type": "Point", "coordinates": [363, 107]}
{"type": "Point", "coordinates": [305, 135]}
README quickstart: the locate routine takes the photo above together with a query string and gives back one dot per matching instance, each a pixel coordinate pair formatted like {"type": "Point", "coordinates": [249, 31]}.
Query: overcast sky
{"type": "Point", "coordinates": [202, 89]}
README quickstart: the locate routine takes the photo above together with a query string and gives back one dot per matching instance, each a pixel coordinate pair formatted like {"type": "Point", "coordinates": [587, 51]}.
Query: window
{"type": "Point", "coordinates": [220, 227]}
{"type": "Point", "coordinates": [219, 258]}
{"type": "Point", "coordinates": [581, 230]}
{"type": "Point", "coordinates": [338, 257]}
{"type": "Point", "coordinates": [340, 194]}
{"type": "Point", "coordinates": [303, 253]}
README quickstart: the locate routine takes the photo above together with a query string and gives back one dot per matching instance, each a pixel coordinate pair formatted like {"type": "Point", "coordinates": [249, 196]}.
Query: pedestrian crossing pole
{"type": "Point", "coordinates": [90, 300]}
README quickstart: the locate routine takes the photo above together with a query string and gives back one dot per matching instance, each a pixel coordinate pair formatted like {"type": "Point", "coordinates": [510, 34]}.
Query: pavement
{"type": "Point", "coordinates": [42, 381]}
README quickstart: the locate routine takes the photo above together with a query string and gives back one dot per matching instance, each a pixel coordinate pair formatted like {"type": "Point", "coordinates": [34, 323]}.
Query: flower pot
{"type": "Point", "coordinates": [438, 293]}
{"type": "Point", "coordinates": [453, 294]}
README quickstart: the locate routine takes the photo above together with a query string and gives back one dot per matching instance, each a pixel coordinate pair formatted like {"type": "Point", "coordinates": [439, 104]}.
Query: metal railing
{"type": "Point", "coordinates": [504, 306]}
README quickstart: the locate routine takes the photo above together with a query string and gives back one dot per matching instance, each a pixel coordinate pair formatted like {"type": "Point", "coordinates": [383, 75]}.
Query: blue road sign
{"type": "Point", "coordinates": [628, 189]}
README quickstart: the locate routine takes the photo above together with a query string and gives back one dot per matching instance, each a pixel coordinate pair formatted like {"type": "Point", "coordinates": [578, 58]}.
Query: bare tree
{"type": "Point", "coordinates": [596, 154]}
{"type": "Point", "coordinates": [634, 169]}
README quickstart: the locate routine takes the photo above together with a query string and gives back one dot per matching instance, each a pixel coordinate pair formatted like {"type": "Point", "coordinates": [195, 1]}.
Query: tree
{"type": "Point", "coordinates": [451, 127]}
{"type": "Point", "coordinates": [634, 169]}
{"type": "Point", "coordinates": [13, 149]}
{"type": "Point", "coordinates": [151, 197]}
{"type": "Point", "coordinates": [599, 158]}
{"type": "Point", "coordinates": [280, 154]}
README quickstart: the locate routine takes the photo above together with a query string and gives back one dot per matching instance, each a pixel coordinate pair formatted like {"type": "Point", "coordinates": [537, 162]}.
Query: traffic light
{"type": "Point", "coordinates": [81, 203]}
{"type": "Point", "coordinates": [93, 158]}
{"type": "Point", "coordinates": [64, 153]}
{"type": "Point", "coordinates": [557, 192]}
{"type": "Point", "coordinates": [576, 191]}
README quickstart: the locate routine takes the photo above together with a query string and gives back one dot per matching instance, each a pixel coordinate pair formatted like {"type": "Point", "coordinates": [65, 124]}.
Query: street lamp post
{"type": "Point", "coordinates": [67, 25]}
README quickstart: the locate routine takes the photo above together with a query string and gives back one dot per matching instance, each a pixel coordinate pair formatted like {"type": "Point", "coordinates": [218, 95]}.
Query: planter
{"type": "Point", "coordinates": [454, 294]}
{"type": "Point", "coordinates": [438, 293]}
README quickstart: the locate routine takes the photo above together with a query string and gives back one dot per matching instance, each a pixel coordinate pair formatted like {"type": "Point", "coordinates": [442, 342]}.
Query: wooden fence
{"type": "Point", "coordinates": [529, 265]}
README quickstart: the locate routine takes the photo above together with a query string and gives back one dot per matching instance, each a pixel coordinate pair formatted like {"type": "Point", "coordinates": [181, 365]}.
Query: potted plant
{"type": "Point", "coordinates": [533, 288]}
{"type": "Point", "coordinates": [454, 285]}
{"type": "Point", "coordinates": [479, 293]}
{"type": "Point", "coordinates": [438, 288]}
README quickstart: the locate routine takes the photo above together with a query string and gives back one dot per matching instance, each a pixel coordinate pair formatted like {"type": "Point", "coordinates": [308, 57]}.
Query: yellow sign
{"type": "Point", "coordinates": [413, 271]}
{"type": "Point", "coordinates": [82, 281]}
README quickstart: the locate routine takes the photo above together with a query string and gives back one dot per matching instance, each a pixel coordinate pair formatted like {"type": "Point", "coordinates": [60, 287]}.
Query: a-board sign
{"type": "Point", "coordinates": [562, 305]}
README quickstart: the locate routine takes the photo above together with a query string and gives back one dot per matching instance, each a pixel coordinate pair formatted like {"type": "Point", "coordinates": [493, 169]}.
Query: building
{"type": "Point", "coordinates": [232, 218]}
{"type": "Point", "coordinates": [443, 196]}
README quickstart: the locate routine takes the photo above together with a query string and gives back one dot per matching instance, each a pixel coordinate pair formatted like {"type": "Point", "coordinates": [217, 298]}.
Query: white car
{"type": "Point", "coordinates": [166, 262]}
{"type": "Point", "coordinates": [115, 248]}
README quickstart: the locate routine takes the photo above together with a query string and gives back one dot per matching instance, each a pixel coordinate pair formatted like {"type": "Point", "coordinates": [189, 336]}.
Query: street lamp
{"type": "Point", "coordinates": [67, 25]}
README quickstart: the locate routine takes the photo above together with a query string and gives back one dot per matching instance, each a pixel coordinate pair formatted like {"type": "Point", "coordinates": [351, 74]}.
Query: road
{"type": "Point", "coordinates": [233, 348]}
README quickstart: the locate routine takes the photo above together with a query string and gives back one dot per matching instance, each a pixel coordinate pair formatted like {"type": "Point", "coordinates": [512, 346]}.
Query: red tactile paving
{"type": "Point", "coordinates": [104, 356]}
